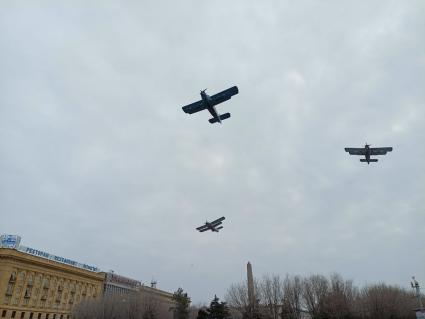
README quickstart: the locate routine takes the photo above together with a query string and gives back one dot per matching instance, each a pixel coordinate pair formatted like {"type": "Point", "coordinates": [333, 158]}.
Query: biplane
{"type": "Point", "coordinates": [367, 151]}
{"type": "Point", "coordinates": [209, 102]}
{"type": "Point", "coordinates": [212, 225]}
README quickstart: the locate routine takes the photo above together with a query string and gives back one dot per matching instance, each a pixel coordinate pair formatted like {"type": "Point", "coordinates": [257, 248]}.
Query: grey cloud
{"type": "Point", "coordinates": [97, 154]}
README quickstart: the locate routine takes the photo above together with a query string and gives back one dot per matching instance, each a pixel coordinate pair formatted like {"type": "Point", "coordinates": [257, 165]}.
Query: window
{"type": "Point", "coordinates": [39, 316]}
{"type": "Point", "coordinates": [54, 316]}
{"type": "Point", "coordinates": [13, 314]}
{"type": "Point", "coordinates": [22, 315]}
{"type": "Point", "coordinates": [7, 300]}
{"type": "Point", "coordinates": [44, 294]}
{"type": "Point", "coordinates": [28, 292]}
{"type": "Point", "coordinates": [71, 300]}
{"type": "Point", "coordinates": [31, 315]}
{"type": "Point", "coordinates": [47, 316]}
{"type": "Point", "coordinates": [12, 277]}
{"type": "Point", "coordinates": [3, 314]}
{"type": "Point", "coordinates": [46, 283]}
{"type": "Point", "coordinates": [21, 276]}
{"type": "Point", "coordinates": [9, 290]}
{"type": "Point", "coordinates": [30, 280]}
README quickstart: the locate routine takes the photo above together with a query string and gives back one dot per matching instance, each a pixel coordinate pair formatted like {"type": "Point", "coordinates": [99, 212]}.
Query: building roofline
{"type": "Point", "coordinates": [7, 253]}
{"type": "Point", "coordinates": [157, 291]}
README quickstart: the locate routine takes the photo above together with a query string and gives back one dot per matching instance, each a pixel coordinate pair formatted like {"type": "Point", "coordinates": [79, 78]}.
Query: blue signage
{"type": "Point", "coordinates": [13, 241]}
{"type": "Point", "coordinates": [58, 259]}
{"type": "Point", "coordinates": [10, 241]}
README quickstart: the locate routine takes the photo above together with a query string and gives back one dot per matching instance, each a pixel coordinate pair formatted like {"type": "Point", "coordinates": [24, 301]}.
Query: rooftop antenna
{"type": "Point", "coordinates": [415, 285]}
{"type": "Point", "coordinates": [153, 283]}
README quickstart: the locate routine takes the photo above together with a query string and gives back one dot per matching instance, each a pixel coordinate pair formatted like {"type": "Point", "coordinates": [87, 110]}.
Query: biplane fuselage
{"type": "Point", "coordinates": [210, 106]}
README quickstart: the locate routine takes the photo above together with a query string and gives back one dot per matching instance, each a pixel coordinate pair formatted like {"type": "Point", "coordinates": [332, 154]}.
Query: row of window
{"type": "Point", "coordinates": [31, 315]}
{"type": "Point", "coordinates": [116, 290]}
{"type": "Point", "coordinates": [40, 296]}
{"type": "Point", "coordinates": [45, 281]}
{"type": "Point", "coordinates": [46, 291]}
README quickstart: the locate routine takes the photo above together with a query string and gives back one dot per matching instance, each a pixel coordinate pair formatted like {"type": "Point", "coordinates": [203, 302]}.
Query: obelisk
{"type": "Point", "coordinates": [251, 292]}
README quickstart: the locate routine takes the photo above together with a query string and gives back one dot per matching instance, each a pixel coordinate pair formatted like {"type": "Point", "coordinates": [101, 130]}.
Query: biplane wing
{"type": "Point", "coordinates": [356, 151]}
{"type": "Point", "coordinates": [380, 150]}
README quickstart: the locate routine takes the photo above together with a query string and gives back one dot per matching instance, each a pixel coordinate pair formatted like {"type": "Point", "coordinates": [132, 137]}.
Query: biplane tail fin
{"type": "Point", "coordinates": [218, 228]}
{"type": "Point", "coordinates": [222, 117]}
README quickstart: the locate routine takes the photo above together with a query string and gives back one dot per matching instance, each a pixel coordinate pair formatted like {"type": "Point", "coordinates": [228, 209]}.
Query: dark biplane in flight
{"type": "Point", "coordinates": [211, 226]}
{"type": "Point", "coordinates": [209, 103]}
{"type": "Point", "coordinates": [368, 151]}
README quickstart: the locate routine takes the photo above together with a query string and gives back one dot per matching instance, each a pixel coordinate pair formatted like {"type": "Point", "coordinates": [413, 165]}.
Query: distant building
{"type": "Point", "coordinates": [151, 297]}
{"type": "Point", "coordinates": [163, 298]}
{"type": "Point", "coordinates": [37, 285]}
{"type": "Point", "coordinates": [120, 285]}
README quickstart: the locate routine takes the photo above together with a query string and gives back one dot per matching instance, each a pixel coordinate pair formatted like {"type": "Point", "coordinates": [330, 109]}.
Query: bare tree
{"type": "Point", "coordinates": [321, 298]}
{"type": "Point", "coordinates": [271, 295]}
{"type": "Point", "coordinates": [315, 289]}
{"type": "Point", "coordinates": [102, 308]}
{"type": "Point", "coordinates": [132, 306]}
{"type": "Point", "coordinates": [292, 298]}
{"type": "Point", "coordinates": [382, 301]}
{"type": "Point", "coordinates": [238, 301]}
{"type": "Point", "coordinates": [150, 306]}
{"type": "Point", "coordinates": [339, 301]}
{"type": "Point", "coordinates": [237, 297]}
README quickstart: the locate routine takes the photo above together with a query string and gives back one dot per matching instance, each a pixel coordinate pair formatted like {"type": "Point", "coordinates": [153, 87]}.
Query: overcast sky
{"type": "Point", "coordinates": [99, 163]}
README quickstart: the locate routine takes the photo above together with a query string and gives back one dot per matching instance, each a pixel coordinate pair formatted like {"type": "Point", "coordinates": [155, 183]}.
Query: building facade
{"type": "Point", "coordinates": [149, 297]}
{"type": "Point", "coordinates": [38, 285]}
{"type": "Point", "coordinates": [163, 297]}
{"type": "Point", "coordinates": [120, 285]}
{"type": "Point", "coordinates": [162, 301]}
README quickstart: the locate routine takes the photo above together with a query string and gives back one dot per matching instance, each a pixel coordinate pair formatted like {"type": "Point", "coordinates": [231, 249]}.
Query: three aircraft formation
{"type": "Point", "coordinates": [208, 102]}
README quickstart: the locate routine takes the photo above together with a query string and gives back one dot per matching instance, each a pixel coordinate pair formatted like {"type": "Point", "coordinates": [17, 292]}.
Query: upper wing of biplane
{"type": "Point", "coordinates": [380, 150]}
{"type": "Point", "coordinates": [194, 107]}
{"type": "Point", "coordinates": [217, 222]}
{"type": "Point", "coordinates": [224, 95]}
{"type": "Point", "coordinates": [355, 151]}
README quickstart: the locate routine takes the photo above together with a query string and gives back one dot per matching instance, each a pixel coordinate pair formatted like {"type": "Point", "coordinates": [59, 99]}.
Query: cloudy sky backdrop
{"type": "Point", "coordinates": [99, 163]}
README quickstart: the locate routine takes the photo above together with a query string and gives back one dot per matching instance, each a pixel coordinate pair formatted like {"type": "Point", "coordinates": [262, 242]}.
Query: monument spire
{"type": "Point", "coordinates": [251, 292]}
